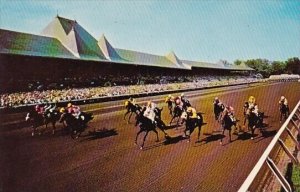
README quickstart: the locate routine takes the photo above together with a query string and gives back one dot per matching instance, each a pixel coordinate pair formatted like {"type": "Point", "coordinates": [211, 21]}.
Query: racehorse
{"type": "Point", "coordinates": [228, 120]}
{"type": "Point", "coordinates": [146, 125]}
{"type": "Point", "coordinates": [177, 113]}
{"type": "Point", "coordinates": [170, 106]}
{"type": "Point", "coordinates": [284, 111]}
{"type": "Point", "coordinates": [131, 108]}
{"type": "Point", "coordinates": [77, 126]}
{"type": "Point", "coordinates": [218, 109]}
{"type": "Point", "coordinates": [42, 119]}
{"type": "Point", "coordinates": [191, 124]}
{"type": "Point", "coordinates": [255, 121]}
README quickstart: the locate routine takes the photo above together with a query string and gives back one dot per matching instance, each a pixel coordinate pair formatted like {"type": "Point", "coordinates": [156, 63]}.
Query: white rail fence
{"type": "Point", "coordinates": [294, 118]}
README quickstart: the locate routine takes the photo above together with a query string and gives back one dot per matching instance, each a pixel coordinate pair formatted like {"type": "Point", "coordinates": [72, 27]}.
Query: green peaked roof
{"type": "Point", "coordinates": [12, 42]}
{"type": "Point", "coordinates": [75, 38]}
{"type": "Point", "coordinates": [108, 50]}
{"type": "Point", "coordinates": [65, 38]}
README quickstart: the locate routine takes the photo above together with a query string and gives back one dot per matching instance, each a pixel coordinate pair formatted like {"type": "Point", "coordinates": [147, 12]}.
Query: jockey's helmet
{"type": "Point", "coordinates": [251, 99]}
{"type": "Point", "coordinates": [169, 95]}
{"type": "Point", "coordinates": [37, 107]}
{"type": "Point", "coordinates": [216, 98]}
{"type": "Point", "coordinates": [189, 109]}
{"type": "Point", "coordinates": [182, 95]}
{"type": "Point", "coordinates": [149, 103]}
{"type": "Point", "coordinates": [69, 105]}
{"type": "Point", "coordinates": [62, 110]}
{"type": "Point", "coordinates": [282, 98]}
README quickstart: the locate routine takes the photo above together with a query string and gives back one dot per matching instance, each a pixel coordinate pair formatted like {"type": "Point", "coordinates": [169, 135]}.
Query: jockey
{"type": "Point", "coordinates": [62, 110]}
{"type": "Point", "coordinates": [253, 107]}
{"type": "Point", "coordinates": [192, 113]}
{"type": "Point", "coordinates": [178, 102]}
{"type": "Point", "coordinates": [230, 112]}
{"type": "Point", "coordinates": [74, 110]}
{"type": "Point", "coordinates": [185, 102]}
{"type": "Point", "coordinates": [283, 101]}
{"type": "Point", "coordinates": [169, 100]}
{"type": "Point", "coordinates": [39, 109]}
{"type": "Point", "coordinates": [216, 101]}
{"type": "Point", "coordinates": [49, 108]}
{"type": "Point", "coordinates": [149, 111]}
{"type": "Point", "coordinates": [130, 101]}
{"type": "Point", "coordinates": [251, 101]}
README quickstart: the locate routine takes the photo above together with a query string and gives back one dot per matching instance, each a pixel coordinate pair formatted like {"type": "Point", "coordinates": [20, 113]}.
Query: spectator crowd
{"type": "Point", "coordinates": [160, 84]}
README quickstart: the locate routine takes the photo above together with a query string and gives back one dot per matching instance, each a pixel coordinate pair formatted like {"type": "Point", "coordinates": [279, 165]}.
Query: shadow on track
{"type": "Point", "coordinates": [98, 134]}
{"type": "Point", "coordinates": [265, 134]}
{"type": "Point", "coordinates": [168, 140]}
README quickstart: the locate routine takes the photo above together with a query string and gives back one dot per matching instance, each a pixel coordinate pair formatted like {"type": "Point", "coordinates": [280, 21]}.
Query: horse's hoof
{"type": "Point", "coordinates": [252, 138]}
{"type": "Point", "coordinates": [32, 134]}
{"type": "Point", "coordinates": [141, 148]}
{"type": "Point", "coordinates": [221, 143]}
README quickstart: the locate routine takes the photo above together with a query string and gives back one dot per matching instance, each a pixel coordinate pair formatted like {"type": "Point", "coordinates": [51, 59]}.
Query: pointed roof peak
{"type": "Point", "coordinates": [172, 57]}
{"type": "Point", "coordinates": [102, 38]}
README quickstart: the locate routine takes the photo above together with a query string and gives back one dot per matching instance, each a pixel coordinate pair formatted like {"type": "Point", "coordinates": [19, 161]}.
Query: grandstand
{"type": "Point", "coordinates": [65, 56]}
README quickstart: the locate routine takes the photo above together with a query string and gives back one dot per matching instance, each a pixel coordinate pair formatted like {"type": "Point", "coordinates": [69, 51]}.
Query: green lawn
{"type": "Point", "coordinates": [296, 177]}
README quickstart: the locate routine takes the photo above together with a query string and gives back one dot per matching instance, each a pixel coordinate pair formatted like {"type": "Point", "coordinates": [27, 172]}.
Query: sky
{"type": "Point", "coordinates": [195, 30]}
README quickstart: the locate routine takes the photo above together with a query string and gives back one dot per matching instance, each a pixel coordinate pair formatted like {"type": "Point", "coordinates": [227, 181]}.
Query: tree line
{"type": "Point", "coordinates": [267, 68]}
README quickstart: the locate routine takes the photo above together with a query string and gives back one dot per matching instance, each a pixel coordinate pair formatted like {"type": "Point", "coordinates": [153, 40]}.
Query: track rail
{"type": "Point", "coordinates": [265, 158]}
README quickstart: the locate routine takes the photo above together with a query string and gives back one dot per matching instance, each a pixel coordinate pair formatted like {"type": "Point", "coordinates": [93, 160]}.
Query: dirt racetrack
{"type": "Point", "coordinates": [109, 160]}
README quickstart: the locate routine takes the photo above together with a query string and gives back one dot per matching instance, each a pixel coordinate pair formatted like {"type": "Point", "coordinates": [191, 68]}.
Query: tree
{"type": "Point", "coordinates": [238, 62]}
{"type": "Point", "coordinates": [293, 65]}
{"type": "Point", "coordinates": [260, 65]}
{"type": "Point", "coordinates": [278, 67]}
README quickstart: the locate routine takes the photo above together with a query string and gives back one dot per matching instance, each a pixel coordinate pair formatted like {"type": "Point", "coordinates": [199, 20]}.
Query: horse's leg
{"type": "Point", "coordinates": [252, 132]}
{"type": "Point", "coordinates": [221, 142]}
{"type": "Point", "coordinates": [172, 120]}
{"type": "Point", "coordinates": [229, 132]}
{"type": "Point", "coordinates": [177, 122]}
{"type": "Point", "coordinates": [142, 146]}
{"type": "Point", "coordinates": [126, 114]}
{"type": "Point", "coordinates": [33, 129]}
{"type": "Point", "coordinates": [46, 125]}
{"type": "Point", "coordinates": [199, 131]}
{"type": "Point", "coordinates": [157, 139]}
{"type": "Point", "coordinates": [140, 131]}
{"type": "Point", "coordinates": [129, 117]}
{"type": "Point", "coordinates": [53, 127]}
{"type": "Point", "coordinates": [171, 112]}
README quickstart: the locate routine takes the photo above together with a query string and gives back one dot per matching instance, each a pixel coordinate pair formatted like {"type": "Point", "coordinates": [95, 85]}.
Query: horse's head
{"type": "Point", "coordinates": [184, 115]}
{"type": "Point", "coordinates": [138, 107]}
{"type": "Point", "coordinates": [28, 116]}
{"type": "Point", "coordinates": [177, 110]}
{"type": "Point", "coordinates": [31, 115]}
{"type": "Point", "coordinates": [89, 117]}
{"type": "Point", "coordinates": [157, 112]}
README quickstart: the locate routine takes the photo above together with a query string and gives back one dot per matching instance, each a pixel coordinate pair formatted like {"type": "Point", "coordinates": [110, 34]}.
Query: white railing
{"type": "Point", "coordinates": [265, 158]}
